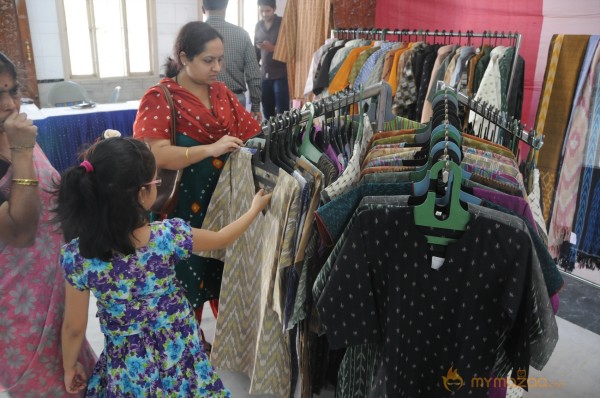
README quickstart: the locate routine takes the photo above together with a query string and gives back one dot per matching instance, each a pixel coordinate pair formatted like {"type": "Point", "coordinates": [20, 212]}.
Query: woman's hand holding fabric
{"type": "Point", "coordinates": [225, 145]}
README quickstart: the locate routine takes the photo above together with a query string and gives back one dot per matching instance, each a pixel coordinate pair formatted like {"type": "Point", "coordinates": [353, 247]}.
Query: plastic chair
{"type": "Point", "coordinates": [114, 96]}
{"type": "Point", "coordinates": [67, 93]}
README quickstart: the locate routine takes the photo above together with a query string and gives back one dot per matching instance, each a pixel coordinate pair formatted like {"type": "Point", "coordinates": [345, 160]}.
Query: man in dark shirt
{"type": "Point", "coordinates": [275, 91]}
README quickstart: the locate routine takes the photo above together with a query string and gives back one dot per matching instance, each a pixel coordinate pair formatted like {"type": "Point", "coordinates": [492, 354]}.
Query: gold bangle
{"type": "Point", "coordinates": [186, 155]}
{"type": "Point", "coordinates": [16, 148]}
{"type": "Point", "coordinates": [25, 181]}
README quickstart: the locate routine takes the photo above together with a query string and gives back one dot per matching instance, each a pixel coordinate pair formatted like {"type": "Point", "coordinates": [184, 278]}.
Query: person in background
{"type": "Point", "coordinates": [210, 123]}
{"type": "Point", "coordinates": [275, 92]}
{"type": "Point", "coordinates": [152, 345]}
{"type": "Point", "coordinates": [31, 281]}
{"type": "Point", "coordinates": [241, 69]}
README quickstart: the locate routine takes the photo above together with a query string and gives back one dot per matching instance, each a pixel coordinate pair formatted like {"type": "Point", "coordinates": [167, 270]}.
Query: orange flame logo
{"type": "Point", "coordinates": [453, 381]}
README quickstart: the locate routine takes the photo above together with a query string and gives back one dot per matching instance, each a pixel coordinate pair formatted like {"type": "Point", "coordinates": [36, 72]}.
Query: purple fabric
{"type": "Point", "coordinates": [514, 203]}
{"type": "Point", "coordinates": [318, 139]}
{"type": "Point", "coordinates": [554, 301]}
{"type": "Point", "coordinates": [497, 392]}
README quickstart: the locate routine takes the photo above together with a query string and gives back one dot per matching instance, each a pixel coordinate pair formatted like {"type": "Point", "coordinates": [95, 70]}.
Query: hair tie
{"type": "Point", "coordinates": [87, 166]}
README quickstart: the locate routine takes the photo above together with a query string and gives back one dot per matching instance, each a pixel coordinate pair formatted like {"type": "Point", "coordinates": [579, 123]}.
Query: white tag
{"type": "Point", "coordinates": [437, 262]}
{"type": "Point", "coordinates": [573, 239]}
{"type": "Point", "coordinates": [249, 150]}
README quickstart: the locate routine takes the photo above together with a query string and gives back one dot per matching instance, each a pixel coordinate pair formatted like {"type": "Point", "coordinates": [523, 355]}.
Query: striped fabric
{"type": "Point", "coordinates": [568, 183]}
{"type": "Point", "coordinates": [562, 72]}
{"type": "Point", "coordinates": [249, 336]}
{"type": "Point", "coordinates": [304, 28]}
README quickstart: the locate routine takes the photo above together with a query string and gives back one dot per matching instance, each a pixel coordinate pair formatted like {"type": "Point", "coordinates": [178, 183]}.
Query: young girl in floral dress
{"type": "Point", "coordinates": [152, 345]}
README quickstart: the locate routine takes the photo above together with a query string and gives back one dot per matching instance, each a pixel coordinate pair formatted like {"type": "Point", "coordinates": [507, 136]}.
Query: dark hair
{"type": "Point", "coordinates": [192, 39]}
{"type": "Point", "coordinates": [9, 68]}
{"type": "Point", "coordinates": [100, 206]}
{"type": "Point", "coordinates": [212, 5]}
{"type": "Point", "coordinates": [268, 3]}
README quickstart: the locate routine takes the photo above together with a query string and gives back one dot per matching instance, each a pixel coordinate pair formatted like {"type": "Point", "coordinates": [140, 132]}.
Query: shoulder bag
{"type": "Point", "coordinates": [166, 196]}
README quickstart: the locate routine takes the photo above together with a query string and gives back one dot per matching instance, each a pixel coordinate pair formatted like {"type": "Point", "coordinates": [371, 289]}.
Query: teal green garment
{"type": "Point", "coordinates": [199, 276]}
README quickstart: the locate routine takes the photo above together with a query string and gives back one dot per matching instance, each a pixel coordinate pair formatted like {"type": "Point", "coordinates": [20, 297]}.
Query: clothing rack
{"type": "Point", "coordinates": [468, 34]}
{"type": "Point", "coordinates": [495, 116]}
{"type": "Point", "coordinates": [381, 91]}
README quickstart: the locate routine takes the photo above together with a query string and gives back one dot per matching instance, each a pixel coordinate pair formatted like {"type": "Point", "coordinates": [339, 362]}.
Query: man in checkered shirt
{"type": "Point", "coordinates": [241, 67]}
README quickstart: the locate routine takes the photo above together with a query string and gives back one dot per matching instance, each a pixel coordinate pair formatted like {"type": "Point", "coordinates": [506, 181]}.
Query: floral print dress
{"type": "Point", "coordinates": [152, 346]}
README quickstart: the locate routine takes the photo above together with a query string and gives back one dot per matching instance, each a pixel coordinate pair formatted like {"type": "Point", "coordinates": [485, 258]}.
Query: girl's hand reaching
{"type": "Point", "coordinates": [260, 201]}
{"type": "Point", "coordinates": [205, 240]}
{"type": "Point", "coordinates": [226, 144]}
{"type": "Point", "coordinates": [75, 379]}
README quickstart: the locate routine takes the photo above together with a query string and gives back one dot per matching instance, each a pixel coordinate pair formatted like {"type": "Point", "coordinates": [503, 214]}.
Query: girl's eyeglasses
{"type": "Point", "coordinates": [156, 182]}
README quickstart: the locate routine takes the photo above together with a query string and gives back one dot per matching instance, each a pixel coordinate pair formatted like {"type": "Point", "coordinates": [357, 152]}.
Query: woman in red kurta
{"type": "Point", "coordinates": [210, 124]}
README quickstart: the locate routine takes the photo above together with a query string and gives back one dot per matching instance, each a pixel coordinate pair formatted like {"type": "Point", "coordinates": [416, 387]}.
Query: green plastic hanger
{"type": "Point", "coordinates": [307, 148]}
{"type": "Point", "coordinates": [457, 218]}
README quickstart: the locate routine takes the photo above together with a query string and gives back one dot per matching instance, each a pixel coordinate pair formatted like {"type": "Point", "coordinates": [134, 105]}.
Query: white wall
{"type": "Point", "coordinates": [45, 36]}
{"type": "Point", "coordinates": [43, 24]}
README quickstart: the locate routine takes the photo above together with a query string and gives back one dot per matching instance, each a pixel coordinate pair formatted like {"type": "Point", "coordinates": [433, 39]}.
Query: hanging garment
{"type": "Point", "coordinates": [560, 80]}
{"type": "Point", "coordinates": [572, 160]}
{"type": "Point", "coordinates": [489, 91]}
{"type": "Point", "coordinates": [316, 59]}
{"type": "Point", "coordinates": [249, 335]}
{"type": "Point", "coordinates": [460, 289]}
{"type": "Point", "coordinates": [350, 175]}
{"type": "Point", "coordinates": [587, 229]}
{"type": "Point", "coordinates": [543, 331]}
{"type": "Point", "coordinates": [303, 29]}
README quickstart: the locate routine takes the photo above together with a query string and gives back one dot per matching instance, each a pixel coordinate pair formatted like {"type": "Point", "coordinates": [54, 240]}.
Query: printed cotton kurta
{"type": "Point", "coordinates": [249, 334]}
{"type": "Point", "coordinates": [451, 317]}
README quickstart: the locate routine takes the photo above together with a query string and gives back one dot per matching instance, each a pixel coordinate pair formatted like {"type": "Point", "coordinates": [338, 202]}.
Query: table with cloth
{"type": "Point", "coordinates": [64, 131]}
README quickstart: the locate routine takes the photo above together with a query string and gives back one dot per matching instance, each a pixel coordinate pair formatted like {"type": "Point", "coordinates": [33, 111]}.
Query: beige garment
{"type": "Point", "coordinates": [304, 28]}
{"type": "Point", "coordinates": [249, 336]}
{"type": "Point", "coordinates": [312, 207]}
{"type": "Point", "coordinates": [452, 66]}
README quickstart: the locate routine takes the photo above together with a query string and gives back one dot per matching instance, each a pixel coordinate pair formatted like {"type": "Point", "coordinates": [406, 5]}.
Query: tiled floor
{"type": "Point", "coordinates": [572, 371]}
{"type": "Point", "coordinates": [580, 303]}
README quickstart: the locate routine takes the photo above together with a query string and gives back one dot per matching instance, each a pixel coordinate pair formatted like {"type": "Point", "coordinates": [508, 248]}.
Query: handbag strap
{"type": "Point", "coordinates": [172, 107]}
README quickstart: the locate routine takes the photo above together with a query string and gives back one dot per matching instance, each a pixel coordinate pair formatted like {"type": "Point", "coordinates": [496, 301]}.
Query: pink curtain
{"type": "Point", "coordinates": [521, 16]}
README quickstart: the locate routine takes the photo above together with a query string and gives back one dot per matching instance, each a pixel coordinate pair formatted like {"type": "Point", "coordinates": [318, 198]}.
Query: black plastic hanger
{"type": "Point", "coordinates": [276, 145]}
{"type": "Point", "coordinates": [264, 170]}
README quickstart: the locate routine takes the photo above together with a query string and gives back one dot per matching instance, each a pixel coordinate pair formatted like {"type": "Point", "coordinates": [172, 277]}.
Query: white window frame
{"type": "Point", "coordinates": [96, 76]}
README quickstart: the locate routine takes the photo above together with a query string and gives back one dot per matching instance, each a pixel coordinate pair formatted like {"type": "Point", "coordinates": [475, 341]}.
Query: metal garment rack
{"type": "Point", "coordinates": [381, 91]}
{"type": "Point", "coordinates": [468, 34]}
{"type": "Point", "coordinates": [495, 116]}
